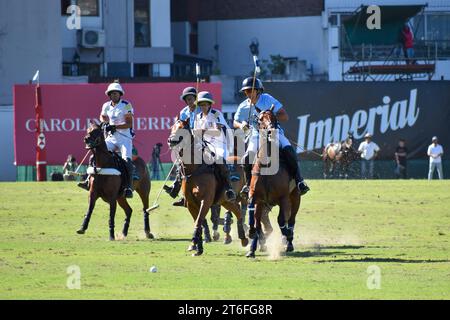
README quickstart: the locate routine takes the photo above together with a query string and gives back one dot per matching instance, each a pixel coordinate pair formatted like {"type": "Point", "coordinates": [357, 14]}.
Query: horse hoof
{"type": "Point", "coordinates": [192, 247]}
{"type": "Point", "coordinates": [149, 235]}
{"type": "Point", "coordinates": [81, 231]}
{"type": "Point", "coordinates": [112, 239]}
{"type": "Point", "coordinates": [208, 239]}
{"type": "Point", "coordinates": [250, 255]}
{"type": "Point", "coordinates": [216, 236]}
{"type": "Point", "coordinates": [227, 239]}
{"type": "Point", "coordinates": [263, 248]}
{"type": "Point", "coordinates": [198, 253]}
{"type": "Point", "coordinates": [244, 242]}
{"type": "Point", "coordinates": [290, 248]}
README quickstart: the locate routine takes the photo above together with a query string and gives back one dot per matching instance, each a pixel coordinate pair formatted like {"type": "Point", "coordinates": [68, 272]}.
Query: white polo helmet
{"type": "Point", "coordinates": [115, 86]}
{"type": "Point", "coordinates": [205, 96]}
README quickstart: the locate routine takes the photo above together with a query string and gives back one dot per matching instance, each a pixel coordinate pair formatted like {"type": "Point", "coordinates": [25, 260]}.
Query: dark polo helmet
{"type": "Point", "coordinates": [189, 91]}
{"type": "Point", "coordinates": [248, 84]}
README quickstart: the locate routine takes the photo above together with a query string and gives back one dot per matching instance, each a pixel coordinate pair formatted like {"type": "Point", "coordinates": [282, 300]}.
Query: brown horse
{"type": "Point", "coordinates": [267, 191]}
{"type": "Point", "coordinates": [340, 154]}
{"type": "Point", "coordinates": [200, 186]}
{"type": "Point", "coordinates": [109, 187]}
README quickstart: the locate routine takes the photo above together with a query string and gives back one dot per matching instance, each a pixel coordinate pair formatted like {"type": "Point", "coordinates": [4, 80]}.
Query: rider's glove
{"type": "Point", "coordinates": [244, 126]}
{"type": "Point", "coordinates": [110, 128]}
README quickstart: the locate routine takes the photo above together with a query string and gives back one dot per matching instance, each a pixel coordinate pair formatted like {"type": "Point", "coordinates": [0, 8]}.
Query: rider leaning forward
{"type": "Point", "coordinates": [254, 91]}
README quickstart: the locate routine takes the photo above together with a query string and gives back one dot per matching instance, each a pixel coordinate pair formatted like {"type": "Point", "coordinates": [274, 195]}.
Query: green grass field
{"type": "Point", "coordinates": [343, 228]}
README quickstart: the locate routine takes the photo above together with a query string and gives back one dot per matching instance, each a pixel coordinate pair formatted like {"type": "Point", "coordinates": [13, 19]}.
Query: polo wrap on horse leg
{"type": "Point", "coordinates": [227, 222]}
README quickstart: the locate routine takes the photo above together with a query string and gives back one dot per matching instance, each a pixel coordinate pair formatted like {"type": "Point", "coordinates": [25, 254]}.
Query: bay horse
{"type": "Point", "coordinates": [339, 154]}
{"type": "Point", "coordinates": [109, 187]}
{"type": "Point", "coordinates": [267, 191]}
{"type": "Point", "coordinates": [200, 186]}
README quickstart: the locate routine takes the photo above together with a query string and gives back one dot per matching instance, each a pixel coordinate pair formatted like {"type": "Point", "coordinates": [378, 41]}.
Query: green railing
{"type": "Point", "coordinates": [384, 169]}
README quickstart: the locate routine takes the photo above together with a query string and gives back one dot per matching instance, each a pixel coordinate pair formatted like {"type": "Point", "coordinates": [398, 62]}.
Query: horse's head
{"type": "Point", "coordinates": [267, 122]}
{"type": "Point", "coordinates": [267, 119]}
{"type": "Point", "coordinates": [95, 136]}
{"type": "Point", "coordinates": [179, 129]}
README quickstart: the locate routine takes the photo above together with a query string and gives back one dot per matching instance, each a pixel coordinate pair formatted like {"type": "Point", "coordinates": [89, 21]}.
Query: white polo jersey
{"type": "Point", "coordinates": [209, 122]}
{"type": "Point", "coordinates": [435, 150]}
{"type": "Point", "coordinates": [116, 114]}
{"type": "Point", "coordinates": [368, 149]}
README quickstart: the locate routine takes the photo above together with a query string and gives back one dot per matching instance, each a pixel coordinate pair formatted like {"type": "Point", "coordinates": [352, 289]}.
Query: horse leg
{"type": "Point", "coordinates": [206, 231]}
{"type": "Point", "coordinates": [227, 227]}
{"type": "Point", "coordinates": [193, 210]}
{"type": "Point", "coordinates": [144, 191]}
{"type": "Point", "coordinates": [215, 217]}
{"type": "Point", "coordinates": [128, 211]}
{"type": "Point", "coordinates": [112, 214]}
{"type": "Point", "coordinates": [283, 217]}
{"type": "Point", "coordinates": [197, 236]}
{"type": "Point", "coordinates": [244, 213]}
{"type": "Point", "coordinates": [265, 220]}
{"type": "Point", "coordinates": [251, 219]}
{"type": "Point", "coordinates": [236, 210]}
{"type": "Point", "coordinates": [87, 217]}
{"type": "Point", "coordinates": [295, 200]}
{"type": "Point", "coordinates": [258, 231]}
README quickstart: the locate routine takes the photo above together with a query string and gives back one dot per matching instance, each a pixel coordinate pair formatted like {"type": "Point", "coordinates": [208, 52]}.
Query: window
{"type": "Point", "coordinates": [193, 38]}
{"type": "Point", "coordinates": [438, 27]}
{"type": "Point", "coordinates": [142, 70]}
{"type": "Point", "coordinates": [142, 23]}
{"type": "Point", "coordinates": [88, 7]}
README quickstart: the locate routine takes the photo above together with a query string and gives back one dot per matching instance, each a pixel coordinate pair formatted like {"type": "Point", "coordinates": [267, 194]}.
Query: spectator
{"type": "Point", "coordinates": [408, 43]}
{"type": "Point", "coordinates": [435, 152]}
{"type": "Point", "coordinates": [401, 154]}
{"type": "Point", "coordinates": [369, 151]}
{"type": "Point", "coordinates": [156, 161]}
{"type": "Point", "coordinates": [70, 166]}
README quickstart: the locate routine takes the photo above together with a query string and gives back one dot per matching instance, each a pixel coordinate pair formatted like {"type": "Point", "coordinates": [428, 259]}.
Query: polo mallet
{"type": "Point", "coordinates": [257, 70]}
{"type": "Point", "coordinates": [156, 204]}
{"type": "Point", "coordinates": [75, 173]}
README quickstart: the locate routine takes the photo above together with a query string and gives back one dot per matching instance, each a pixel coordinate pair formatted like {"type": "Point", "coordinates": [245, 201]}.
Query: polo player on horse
{"type": "Point", "coordinates": [118, 116]}
{"type": "Point", "coordinates": [246, 119]}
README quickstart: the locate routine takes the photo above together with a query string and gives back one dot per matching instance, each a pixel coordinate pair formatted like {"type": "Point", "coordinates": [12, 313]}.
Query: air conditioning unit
{"type": "Point", "coordinates": [92, 38]}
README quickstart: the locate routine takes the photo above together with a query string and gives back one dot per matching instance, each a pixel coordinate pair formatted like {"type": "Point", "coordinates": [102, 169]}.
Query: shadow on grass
{"type": "Point", "coordinates": [386, 260]}
{"type": "Point", "coordinates": [172, 240]}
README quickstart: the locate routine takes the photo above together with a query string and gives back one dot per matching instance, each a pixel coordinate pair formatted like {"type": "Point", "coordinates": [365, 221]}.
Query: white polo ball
{"type": "Point", "coordinates": [153, 269]}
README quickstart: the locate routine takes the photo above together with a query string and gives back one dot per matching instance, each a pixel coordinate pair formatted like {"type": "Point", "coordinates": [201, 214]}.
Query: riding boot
{"type": "Point", "coordinates": [129, 189]}
{"type": "Point", "coordinates": [179, 203]}
{"type": "Point", "coordinates": [175, 189]}
{"type": "Point", "coordinates": [225, 174]}
{"type": "Point", "coordinates": [247, 166]}
{"type": "Point", "coordinates": [291, 158]}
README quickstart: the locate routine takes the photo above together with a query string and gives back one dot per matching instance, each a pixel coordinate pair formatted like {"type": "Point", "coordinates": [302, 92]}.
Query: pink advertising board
{"type": "Point", "coordinates": [67, 110]}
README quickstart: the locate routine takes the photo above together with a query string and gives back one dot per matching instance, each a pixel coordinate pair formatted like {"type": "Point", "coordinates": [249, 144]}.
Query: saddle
{"type": "Point", "coordinates": [119, 164]}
